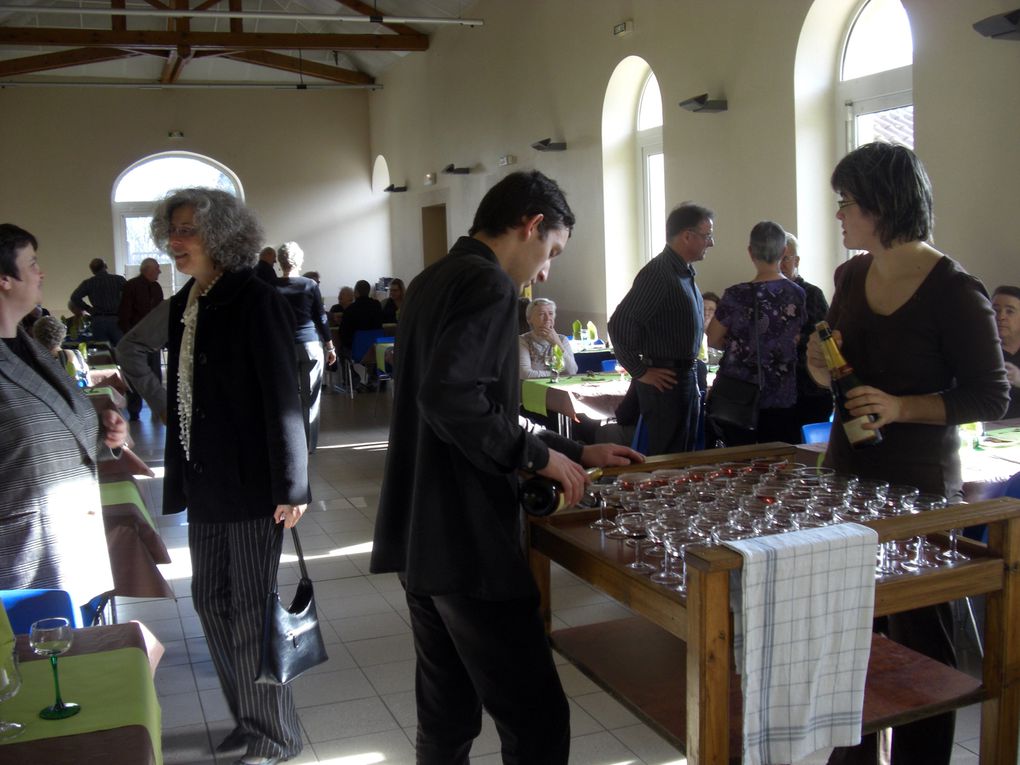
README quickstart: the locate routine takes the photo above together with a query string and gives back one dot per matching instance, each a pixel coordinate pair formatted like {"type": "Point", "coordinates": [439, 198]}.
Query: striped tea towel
{"type": "Point", "coordinates": [802, 615]}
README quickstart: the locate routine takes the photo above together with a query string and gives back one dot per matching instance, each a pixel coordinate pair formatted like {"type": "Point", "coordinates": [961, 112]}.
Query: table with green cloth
{"type": "Point", "coordinates": [133, 542]}
{"type": "Point", "coordinates": [108, 671]}
{"type": "Point", "coordinates": [594, 395]}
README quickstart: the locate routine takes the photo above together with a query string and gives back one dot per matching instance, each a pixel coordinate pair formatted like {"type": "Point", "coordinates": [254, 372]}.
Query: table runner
{"type": "Point", "coordinates": [124, 493]}
{"type": "Point", "coordinates": [533, 395]}
{"type": "Point", "coordinates": [114, 689]}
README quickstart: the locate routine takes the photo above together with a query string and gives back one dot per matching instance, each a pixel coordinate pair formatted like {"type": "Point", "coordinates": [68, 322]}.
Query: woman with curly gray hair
{"type": "Point", "coordinates": [236, 456]}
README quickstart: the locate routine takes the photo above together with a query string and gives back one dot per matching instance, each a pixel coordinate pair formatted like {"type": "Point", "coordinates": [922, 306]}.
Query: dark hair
{"type": "Point", "coordinates": [362, 288]}
{"type": "Point", "coordinates": [96, 265]}
{"type": "Point", "coordinates": [12, 239]}
{"type": "Point", "coordinates": [519, 196]}
{"type": "Point", "coordinates": [1007, 289]}
{"type": "Point", "coordinates": [889, 183]}
{"type": "Point", "coordinates": [767, 242]}
{"type": "Point", "coordinates": [710, 296]}
{"type": "Point", "coordinates": [230, 232]}
{"type": "Point", "coordinates": [686, 216]}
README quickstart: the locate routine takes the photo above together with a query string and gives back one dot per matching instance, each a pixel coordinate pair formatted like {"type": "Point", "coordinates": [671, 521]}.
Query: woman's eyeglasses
{"type": "Point", "coordinates": [182, 232]}
{"type": "Point", "coordinates": [841, 203]}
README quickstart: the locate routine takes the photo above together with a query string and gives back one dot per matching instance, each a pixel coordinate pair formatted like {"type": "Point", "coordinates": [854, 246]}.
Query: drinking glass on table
{"type": "Point", "coordinates": [52, 637]}
{"type": "Point", "coordinates": [10, 684]}
{"type": "Point", "coordinates": [924, 551]}
{"type": "Point", "coordinates": [635, 526]}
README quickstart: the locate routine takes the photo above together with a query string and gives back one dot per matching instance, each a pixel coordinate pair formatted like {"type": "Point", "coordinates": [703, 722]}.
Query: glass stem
{"type": "Point", "coordinates": [952, 542]}
{"type": "Point", "coordinates": [59, 703]}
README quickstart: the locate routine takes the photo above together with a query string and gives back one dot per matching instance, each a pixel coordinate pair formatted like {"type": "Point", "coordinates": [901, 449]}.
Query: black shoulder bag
{"type": "Point", "coordinates": [734, 401]}
{"type": "Point", "coordinates": [291, 639]}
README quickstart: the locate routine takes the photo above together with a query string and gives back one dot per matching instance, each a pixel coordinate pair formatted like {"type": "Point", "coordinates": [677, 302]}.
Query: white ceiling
{"type": "Point", "coordinates": [147, 69]}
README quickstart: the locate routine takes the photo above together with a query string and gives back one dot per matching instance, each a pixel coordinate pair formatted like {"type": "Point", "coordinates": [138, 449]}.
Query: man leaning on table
{"type": "Point", "coordinates": [449, 521]}
{"type": "Point", "coordinates": [657, 329]}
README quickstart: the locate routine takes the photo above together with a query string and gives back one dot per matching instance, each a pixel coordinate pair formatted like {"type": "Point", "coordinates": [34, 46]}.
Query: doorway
{"type": "Point", "coordinates": [433, 233]}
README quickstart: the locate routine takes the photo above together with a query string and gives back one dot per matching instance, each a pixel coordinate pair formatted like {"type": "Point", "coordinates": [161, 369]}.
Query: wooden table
{"type": "Point", "coordinates": [594, 395]}
{"type": "Point", "coordinates": [130, 688]}
{"type": "Point", "coordinates": [673, 664]}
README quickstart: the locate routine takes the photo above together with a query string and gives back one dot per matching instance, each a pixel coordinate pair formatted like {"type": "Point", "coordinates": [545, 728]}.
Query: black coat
{"type": "Point", "coordinates": [448, 514]}
{"type": "Point", "coordinates": [248, 448]}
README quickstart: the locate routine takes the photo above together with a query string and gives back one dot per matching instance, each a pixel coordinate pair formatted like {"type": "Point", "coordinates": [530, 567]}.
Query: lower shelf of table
{"type": "Point", "coordinates": [645, 668]}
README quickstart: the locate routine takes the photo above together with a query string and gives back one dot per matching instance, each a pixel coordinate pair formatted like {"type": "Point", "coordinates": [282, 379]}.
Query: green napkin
{"type": "Point", "coordinates": [6, 633]}
{"type": "Point", "coordinates": [114, 689]}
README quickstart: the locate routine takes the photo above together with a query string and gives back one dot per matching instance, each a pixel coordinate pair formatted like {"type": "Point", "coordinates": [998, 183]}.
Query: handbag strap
{"type": "Point", "coordinates": [300, 555]}
{"type": "Point", "coordinates": [757, 345]}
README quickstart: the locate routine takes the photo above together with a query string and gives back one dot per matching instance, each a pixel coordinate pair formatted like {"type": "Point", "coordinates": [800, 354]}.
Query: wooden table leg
{"type": "Point", "coordinates": [709, 657]}
{"type": "Point", "coordinates": [1000, 715]}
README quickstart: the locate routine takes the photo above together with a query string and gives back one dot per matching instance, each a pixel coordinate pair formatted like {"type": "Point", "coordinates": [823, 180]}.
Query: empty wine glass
{"type": "Point", "coordinates": [923, 550]}
{"type": "Point", "coordinates": [52, 637]}
{"type": "Point", "coordinates": [602, 523]}
{"type": "Point", "coordinates": [635, 526]}
{"type": "Point", "coordinates": [952, 554]}
{"type": "Point", "coordinates": [677, 542]}
{"type": "Point", "coordinates": [657, 531]}
{"type": "Point", "coordinates": [10, 684]}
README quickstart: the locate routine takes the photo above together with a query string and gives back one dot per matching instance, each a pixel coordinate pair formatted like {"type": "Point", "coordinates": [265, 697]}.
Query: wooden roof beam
{"type": "Point", "coordinates": [368, 10]}
{"type": "Point", "coordinates": [118, 23]}
{"type": "Point", "coordinates": [175, 63]}
{"type": "Point", "coordinates": [46, 62]}
{"type": "Point", "coordinates": [297, 66]}
{"type": "Point", "coordinates": [141, 39]}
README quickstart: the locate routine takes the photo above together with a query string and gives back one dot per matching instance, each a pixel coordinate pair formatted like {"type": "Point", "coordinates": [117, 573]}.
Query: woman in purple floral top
{"type": "Point", "coordinates": [780, 319]}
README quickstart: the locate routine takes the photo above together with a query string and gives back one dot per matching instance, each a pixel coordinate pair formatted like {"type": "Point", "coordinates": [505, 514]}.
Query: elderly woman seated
{"type": "Point", "coordinates": [536, 345]}
{"type": "Point", "coordinates": [50, 332]}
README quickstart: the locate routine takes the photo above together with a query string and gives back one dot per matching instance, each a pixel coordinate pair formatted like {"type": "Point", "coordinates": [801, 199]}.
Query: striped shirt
{"type": "Point", "coordinates": [103, 292]}
{"type": "Point", "coordinates": [661, 318]}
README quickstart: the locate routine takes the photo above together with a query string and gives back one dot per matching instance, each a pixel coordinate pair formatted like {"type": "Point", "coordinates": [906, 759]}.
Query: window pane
{"type": "Point", "coordinates": [891, 126]}
{"type": "Point", "coordinates": [154, 179]}
{"type": "Point", "coordinates": [879, 40]}
{"type": "Point", "coordinates": [650, 108]}
{"type": "Point", "coordinates": [655, 171]}
{"type": "Point", "coordinates": [139, 244]}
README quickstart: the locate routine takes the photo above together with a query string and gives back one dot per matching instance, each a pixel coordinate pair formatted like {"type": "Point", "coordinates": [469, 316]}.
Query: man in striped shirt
{"type": "Point", "coordinates": [103, 291]}
{"type": "Point", "coordinates": [656, 331]}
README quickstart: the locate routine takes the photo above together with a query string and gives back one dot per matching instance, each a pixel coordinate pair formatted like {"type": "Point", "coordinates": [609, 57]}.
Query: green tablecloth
{"type": "Point", "coordinates": [114, 689]}
{"type": "Point", "coordinates": [533, 392]}
{"type": "Point", "coordinates": [124, 493]}
{"type": "Point", "coordinates": [102, 390]}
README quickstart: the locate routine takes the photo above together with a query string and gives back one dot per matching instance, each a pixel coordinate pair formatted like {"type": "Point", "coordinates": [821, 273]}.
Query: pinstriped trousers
{"type": "Point", "coordinates": [234, 568]}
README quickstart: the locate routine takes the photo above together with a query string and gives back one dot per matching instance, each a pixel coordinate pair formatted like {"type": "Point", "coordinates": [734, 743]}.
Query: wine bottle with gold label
{"type": "Point", "coordinates": [843, 379]}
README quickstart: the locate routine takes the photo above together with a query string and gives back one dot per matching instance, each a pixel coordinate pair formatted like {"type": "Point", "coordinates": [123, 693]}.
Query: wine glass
{"type": "Point", "coordinates": [52, 637]}
{"type": "Point", "coordinates": [635, 526]}
{"type": "Point", "coordinates": [603, 523]}
{"type": "Point", "coordinates": [10, 684]}
{"type": "Point", "coordinates": [923, 549]}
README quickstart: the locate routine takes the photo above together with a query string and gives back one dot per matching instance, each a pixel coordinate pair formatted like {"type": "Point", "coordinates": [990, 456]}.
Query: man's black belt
{"type": "Point", "coordinates": [682, 364]}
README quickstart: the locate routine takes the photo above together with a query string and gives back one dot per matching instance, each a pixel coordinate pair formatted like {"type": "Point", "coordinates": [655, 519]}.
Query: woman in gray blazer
{"type": "Point", "coordinates": [51, 519]}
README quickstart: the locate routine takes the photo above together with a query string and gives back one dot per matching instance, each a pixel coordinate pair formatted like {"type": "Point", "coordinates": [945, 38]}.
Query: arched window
{"type": "Point", "coordinates": [135, 194]}
{"type": "Point", "coordinates": [651, 162]}
{"type": "Point", "coordinates": [633, 178]}
{"type": "Point", "coordinates": [876, 76]}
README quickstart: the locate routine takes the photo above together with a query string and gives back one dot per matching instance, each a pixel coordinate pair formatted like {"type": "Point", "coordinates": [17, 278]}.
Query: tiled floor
{"type": "Point", "coordinates": [358, 708]}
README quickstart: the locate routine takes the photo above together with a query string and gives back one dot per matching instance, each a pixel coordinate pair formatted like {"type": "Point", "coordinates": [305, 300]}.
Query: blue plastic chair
{"type": "Point", "coordinates": [27, 606]}
{"type": "Point", "coordinates": [816, 432]}
{"type": "Point", "coordinates": [609, 365]}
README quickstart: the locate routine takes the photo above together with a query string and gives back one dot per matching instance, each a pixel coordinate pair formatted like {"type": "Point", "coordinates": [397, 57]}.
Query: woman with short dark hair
{"type": "Point", "coordinates": [920, 333]}
{"type": "Point", "coordinates": [236, 454]}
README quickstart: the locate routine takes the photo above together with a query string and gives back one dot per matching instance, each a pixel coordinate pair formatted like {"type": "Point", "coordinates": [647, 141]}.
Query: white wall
{"type": "Point", "coordinates": [303, 158]}
{"type": "Point", "coordinates": [540, 69]}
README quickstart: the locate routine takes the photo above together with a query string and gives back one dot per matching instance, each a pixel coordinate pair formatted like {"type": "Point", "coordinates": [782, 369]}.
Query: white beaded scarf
{"type": "Point", "coordinates": [186, 363]}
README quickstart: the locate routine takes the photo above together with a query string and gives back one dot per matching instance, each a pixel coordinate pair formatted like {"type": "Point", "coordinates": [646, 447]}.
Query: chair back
{"type": "Point", "coordinates": [608, 365]}
{"type": "Point", "coordinates": [816, 432]}
{"type": "Point", "coordinates": [27, 606]}
{"type": "Point", "coordinates": [363, 340]}
{"type": "Point", "coordinates": [640, 441]}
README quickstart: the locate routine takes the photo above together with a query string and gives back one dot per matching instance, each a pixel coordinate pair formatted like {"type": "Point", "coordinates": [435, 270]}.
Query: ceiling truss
{"type": "Point", "coordinates": [179, 45]}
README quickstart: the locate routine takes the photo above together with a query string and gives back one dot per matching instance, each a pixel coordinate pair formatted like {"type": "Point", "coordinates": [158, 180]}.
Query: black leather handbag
{"type": "Point", "coordinates": [734, 401]}
{"type": "Point", "coordinates": [291, 639]}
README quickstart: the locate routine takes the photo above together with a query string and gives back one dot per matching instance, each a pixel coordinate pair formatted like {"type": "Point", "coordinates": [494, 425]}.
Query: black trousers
{"type": "Point", "coordinates": [234, 569]}
{"type": "Point", "coordinates": [671, 417]}
{"type": "Point", "coordinates": [134, 400]}
{"type": "Point", "coordinates": [928, 631]}
{"type": "Point", "coordinates": [494, 654]}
